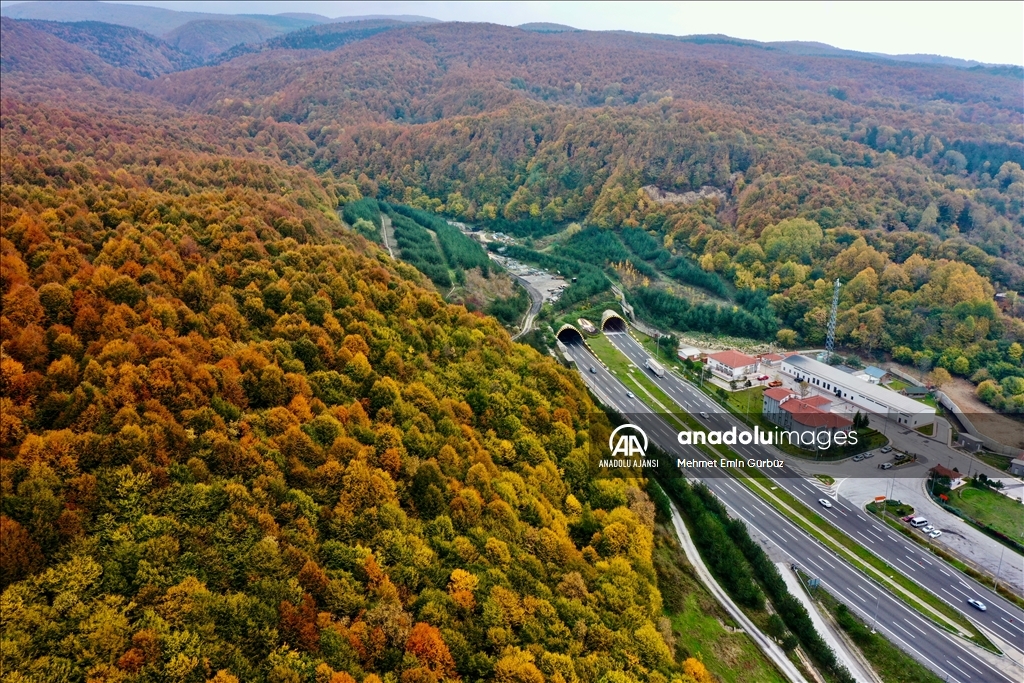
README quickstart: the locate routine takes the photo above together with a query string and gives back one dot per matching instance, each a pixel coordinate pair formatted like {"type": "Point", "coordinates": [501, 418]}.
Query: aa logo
{"type": "Point", "coordinates": [627, 444]}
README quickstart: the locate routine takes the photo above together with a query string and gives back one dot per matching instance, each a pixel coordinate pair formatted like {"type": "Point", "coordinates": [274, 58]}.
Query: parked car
{"type": "Point", "coordinates": [935, 534]}
{"type": "Point", "coordinates": [918, 522]}
{"type": "Point", "coordinates": [886, 449]}
{"type": "Point", "coordinates": [762, 378]}
{"type": "Point", "coordinates": [776, 383]}
{"type": "Point", "coordinates": [928, 529]}
{"type": "Point", "coordinates": [825, 502]}
{"type": "Point", "coordinates": [869, 454]}
{"type": "Point", "coordinates": [858, 458]}
{"type": "Point", "coordinates": [977, 604]}
{"type": "Point", "coordinates": [885, 466]}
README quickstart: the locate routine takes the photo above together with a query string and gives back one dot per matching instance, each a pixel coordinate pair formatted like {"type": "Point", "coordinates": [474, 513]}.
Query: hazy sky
{"type": "Point", "coordinates": [983, 31]}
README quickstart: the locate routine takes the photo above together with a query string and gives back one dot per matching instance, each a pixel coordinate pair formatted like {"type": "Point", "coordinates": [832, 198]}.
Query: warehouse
{"type": "Point", "coordinates": [864, 395]}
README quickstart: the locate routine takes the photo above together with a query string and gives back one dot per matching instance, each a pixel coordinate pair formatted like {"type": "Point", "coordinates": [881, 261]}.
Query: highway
{"type": "Point", "coordinates": [536, 300]}
{"type": "Point", "coordinates": [1003, 618]}
{"type": "Point", "coordinates": [922, 639]}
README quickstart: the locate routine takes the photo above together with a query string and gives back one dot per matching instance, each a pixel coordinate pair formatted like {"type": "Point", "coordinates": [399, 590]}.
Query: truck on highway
{"type": "Point", "coordinates": [655, 367]}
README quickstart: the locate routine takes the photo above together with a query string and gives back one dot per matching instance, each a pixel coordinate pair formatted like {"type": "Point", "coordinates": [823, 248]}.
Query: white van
{"type": "Point", "coordinates": [918, 522]}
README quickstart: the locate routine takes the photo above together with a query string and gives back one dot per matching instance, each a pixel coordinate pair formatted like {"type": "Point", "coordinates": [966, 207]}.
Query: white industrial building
{"type": "Point", "coordinates": [862, 394]}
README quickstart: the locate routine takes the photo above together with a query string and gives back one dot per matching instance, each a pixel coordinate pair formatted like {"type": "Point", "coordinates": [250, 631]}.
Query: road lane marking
{"type": "Point", "coordinates": [865, 537]}
{"type": "Point", "coordinates": [822, 558]}
{"type": "Point", "coordinates": [966, 663]}
{"type": "Point", "coordinates": [958, 669]}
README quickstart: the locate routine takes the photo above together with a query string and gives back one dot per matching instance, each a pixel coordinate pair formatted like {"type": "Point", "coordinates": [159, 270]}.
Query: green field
{"type": "Point", "coordinates": [994, 509]}
{"type": "Point", "coordinates": [699, 622]}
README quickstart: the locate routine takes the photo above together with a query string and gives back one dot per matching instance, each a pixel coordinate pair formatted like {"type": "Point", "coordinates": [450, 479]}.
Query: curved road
{"type": "Point", "coordinates": [536, 299]}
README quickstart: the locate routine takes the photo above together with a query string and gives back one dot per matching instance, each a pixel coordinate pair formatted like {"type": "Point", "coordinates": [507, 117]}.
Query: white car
{"type": "Point", "coordinates": [928, 529]}
{"type": "Point", "coordinates": [630, 394]}
{"type": "Point", "coordinates": [704, 415]}
{"type": "Point", "coordinates": [824, 502]}
{"type": "Point", "coordinates": [977, 604]}
{"type": "Point", "coordinates": [935, 534]}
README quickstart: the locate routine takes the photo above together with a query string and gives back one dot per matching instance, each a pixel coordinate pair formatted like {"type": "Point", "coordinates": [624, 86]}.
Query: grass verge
{"type": "Point", "coordinates": [889, 662]}
{"type": "Point", "coordinates": [860, 557]}
{"type": "Point", "coordinates": [928, 604]}
{"type": "Point", "coordinates": [700, 626]}
{"type": "Point", "coordinates": [950, 559]}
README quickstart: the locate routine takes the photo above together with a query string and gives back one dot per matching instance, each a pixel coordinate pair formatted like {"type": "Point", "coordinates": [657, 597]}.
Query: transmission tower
{"type": "Point", "coordinates": [830, 337]}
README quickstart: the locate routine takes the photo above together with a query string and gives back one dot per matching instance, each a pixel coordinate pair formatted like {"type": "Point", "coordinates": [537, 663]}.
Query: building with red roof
{"type": "Point", "coordinates": [731, 365]}
{"type": "Point", "coordinates": [807, 416]}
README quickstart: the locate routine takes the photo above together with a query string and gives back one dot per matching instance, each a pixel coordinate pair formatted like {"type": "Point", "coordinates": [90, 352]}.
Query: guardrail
{"type": "Point", "coordinates": [989, 443]}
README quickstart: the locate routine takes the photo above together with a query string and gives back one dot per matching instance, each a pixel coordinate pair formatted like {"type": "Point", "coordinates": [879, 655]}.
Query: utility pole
{"type": "Point", "coordinates": [875, 619]}
{"type": "Point", "coordinates": [830, 336]}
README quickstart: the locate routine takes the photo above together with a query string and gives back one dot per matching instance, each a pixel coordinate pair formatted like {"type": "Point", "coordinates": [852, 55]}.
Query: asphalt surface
{"type": "Point", "coordinates": [1004, 618]}
{"type": "Point", "coordinates": [536, 300]}
{"type": "Point", "coordinates": [935, 648]}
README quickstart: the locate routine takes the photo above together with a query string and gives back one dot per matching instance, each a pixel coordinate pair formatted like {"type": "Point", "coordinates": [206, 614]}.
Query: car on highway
{"type": "Point", "coordinates": [886, 449]}
{"type": "Point", "coordinates": [935, 534]}
{"type": "Point", "coordinates": [858, 458]}
{"type": "Point", "coordinates": [885, 466]}
{"type": "Point", "coordinates": [593, 370]}
{"type": "Point", "coordinates": [977, 604]}
{"type": "Point", "coordinates": [824, 502]}
{"type": "Point", "coordinates": [630, 394]}
{"type": "Point", "coordinates": [704, 415]}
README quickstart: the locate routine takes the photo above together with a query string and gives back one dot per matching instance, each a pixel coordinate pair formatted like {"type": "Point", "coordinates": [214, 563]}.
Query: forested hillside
{"type": "Point", "coordinates": [238, 438]}
{"type": "Point", "coordinates": [240, 442]}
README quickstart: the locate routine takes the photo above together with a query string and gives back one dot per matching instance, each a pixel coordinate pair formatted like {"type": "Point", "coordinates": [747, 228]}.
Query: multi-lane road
{"type": "Point", "coordinates": [942, 652]}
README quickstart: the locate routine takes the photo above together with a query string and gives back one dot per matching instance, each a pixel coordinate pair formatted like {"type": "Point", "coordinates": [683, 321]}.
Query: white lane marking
{"type": "Point", "coordinates": [966, 663]}
{"type": "Point", "coordinates": [1005, 630]}
{"type": "Point", "coordinates": [958, 668]}
{"type": "Point", "coordinates": [906, 631]}
{"type": "Point", "coordinates": [865, 538]}
{"type": "Point", "coordinates": [1013, 623]}
{"type": "Point", "coordinates": [822, 558]}
{"type": "Point", "coordinates": [915, 627]}
{"type": "Point", "coordinates": [945, 572]}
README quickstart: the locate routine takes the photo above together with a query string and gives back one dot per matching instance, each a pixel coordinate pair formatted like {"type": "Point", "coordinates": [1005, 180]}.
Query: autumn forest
{"type": "Point", "coordinates": [240, 442]}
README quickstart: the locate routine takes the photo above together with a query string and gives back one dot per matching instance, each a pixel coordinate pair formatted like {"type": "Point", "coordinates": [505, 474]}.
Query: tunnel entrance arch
{"type": "Point", "coordinates": [568, 335]}
{"type": "Point", "coordinates": [612, 322]}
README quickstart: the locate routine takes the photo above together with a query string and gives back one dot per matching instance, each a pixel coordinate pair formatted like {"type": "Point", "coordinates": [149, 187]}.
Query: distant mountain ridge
{"type": "Point", "coordinates": [197, 36]}
{"type": "Point", "coordinates": [121, 46]}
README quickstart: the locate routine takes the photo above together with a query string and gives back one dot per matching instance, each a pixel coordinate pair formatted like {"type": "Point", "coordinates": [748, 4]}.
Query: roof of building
{"type": "Point", "coordinates": [733, 358]}
{"type": "Point", "coordinates": [873, 391]}
{"type": "Point", "coordinates": [847, 369]}
{"type": "Point", "coordinates": [689, 350]}
{"type": "Point", "coordinates": [913, 390]}
{"type": "Point", "coordinates": [811, 416]}
{"type": "Point", "coordinates": [877, 373]}
{"type": "Point", "coordinates": [1017, 461]}
{"type": "Point", "coordinates": [817, 401]}
{"type": "Point", "coordinates": [778, 393]}
{"type": "Point", "coordinates": [946, 472]}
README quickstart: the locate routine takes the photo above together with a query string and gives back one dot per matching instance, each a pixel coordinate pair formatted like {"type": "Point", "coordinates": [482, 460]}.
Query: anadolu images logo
{"type": "Point", "coordinates": [627, 445]}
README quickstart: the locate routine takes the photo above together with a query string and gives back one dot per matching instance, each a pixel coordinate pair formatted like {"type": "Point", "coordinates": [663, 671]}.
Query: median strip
{"type": "Point", "coordinates": [921, 600]}
{"type": "Point", "coordinates": [858, 556]}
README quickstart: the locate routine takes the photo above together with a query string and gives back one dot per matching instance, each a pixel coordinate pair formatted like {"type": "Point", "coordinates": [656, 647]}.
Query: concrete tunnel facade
{"type": "Point", "coordinates": [568, 334]}
{"type": "Point", "coordinates": [612, 322]}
